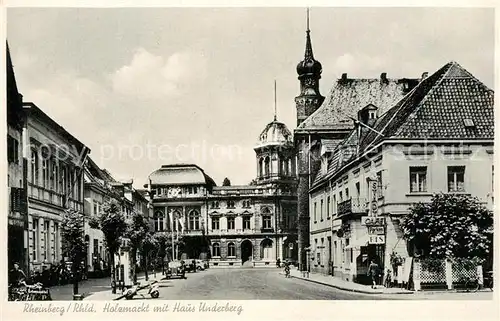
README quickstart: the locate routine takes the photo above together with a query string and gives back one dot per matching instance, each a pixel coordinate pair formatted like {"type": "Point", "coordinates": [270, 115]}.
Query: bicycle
{"type": "Point", "coordinates": [488, 280]}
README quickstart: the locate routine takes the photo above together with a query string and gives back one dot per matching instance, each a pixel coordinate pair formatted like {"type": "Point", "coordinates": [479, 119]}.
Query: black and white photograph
{"type": "Point", "coordinates": [249, 153]}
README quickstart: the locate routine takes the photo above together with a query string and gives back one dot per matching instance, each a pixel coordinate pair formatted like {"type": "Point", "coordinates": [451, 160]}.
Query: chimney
{"type": "Point", "coordinates": [424, 75]}
{"type": "Point", "coordinates": [383, 78]}
{"type": "Point", "coordinates": [344, 77]}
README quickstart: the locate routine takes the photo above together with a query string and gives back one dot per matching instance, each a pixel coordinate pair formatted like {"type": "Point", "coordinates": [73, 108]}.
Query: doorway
{"type": "Point", "coordinates": [246, 251]}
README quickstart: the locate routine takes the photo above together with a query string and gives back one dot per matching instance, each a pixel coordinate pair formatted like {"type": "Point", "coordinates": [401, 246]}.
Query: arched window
{"type": "Point", "coordinates": [159, 218]}
{"type": "Point", "coordinates": [266, 166]}
{"type": "Point", "coordinates": [266, 249]}
{"type": "Point", "coordinates": [289, 167]}
{"type": "Point", "coordinates": [261, 167]}
{"type": "Point", "coordinates": [194, 220]}
{"type": "Point", "coordinates": [216, 250]}
{"type": "Point", "coordinates": [231, 250]}
{"type": "Point", "coordinates": [176, 217]}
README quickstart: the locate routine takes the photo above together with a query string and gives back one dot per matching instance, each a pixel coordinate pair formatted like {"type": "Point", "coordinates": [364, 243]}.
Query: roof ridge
{"type": "Point", "coordinates": [409, 94]}
{"type": "Point", "coordinates": [471, 75]}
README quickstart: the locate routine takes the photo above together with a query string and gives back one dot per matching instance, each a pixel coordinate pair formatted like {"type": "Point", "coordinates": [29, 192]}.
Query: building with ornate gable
{"type": "Point", "coordinates": [251, 225]}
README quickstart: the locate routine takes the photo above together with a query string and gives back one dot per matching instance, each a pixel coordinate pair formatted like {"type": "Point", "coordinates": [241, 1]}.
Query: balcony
{"type": "Point", "coordinates": [49, 196]}
{"type": "Point", "coordinates": [352, 206]}
{"type": "Point", "coordinates": [267, 230]}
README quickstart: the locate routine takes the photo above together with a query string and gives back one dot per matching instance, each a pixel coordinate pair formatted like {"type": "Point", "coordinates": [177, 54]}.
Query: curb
{"type": "Point", "coordinates": [347, 289]}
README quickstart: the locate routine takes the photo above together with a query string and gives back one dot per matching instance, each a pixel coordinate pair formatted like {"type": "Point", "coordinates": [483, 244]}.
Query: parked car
{"type": "Point", "coordinates": [198, 265]}
{"type": "Point", "coordinates": [176, 269]}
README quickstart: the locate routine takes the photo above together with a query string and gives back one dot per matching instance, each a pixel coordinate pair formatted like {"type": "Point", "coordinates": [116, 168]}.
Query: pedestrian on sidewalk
{"type": "Point", "coordinates": [373, 271]}
{"type": "Point", "coordinates": [278, 263]}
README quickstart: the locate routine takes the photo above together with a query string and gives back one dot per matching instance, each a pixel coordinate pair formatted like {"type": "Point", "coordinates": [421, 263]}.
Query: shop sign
{"type": "Point", "coordinates": [373, 220]}
{"type": "Point", "coordinates": [376, 239]}
{"type": "Point", "coordinates": [376, 230]}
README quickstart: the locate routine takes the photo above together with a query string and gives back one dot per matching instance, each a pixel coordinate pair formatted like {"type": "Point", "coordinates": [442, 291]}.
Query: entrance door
{"type": "Point", "coordinates": [246, 251]}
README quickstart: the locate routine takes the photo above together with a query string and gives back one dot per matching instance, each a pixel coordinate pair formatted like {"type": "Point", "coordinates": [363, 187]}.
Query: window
{"type": "Point", "coordinates": [328, 200]}
{"type": "Point", "coordinates": [230, 204]}
{"type": "Point", "coordinates": [216, 250]}
{"type": "Point", "coordinates": [358, 190]}
{"type": "Point", "coordinates": [266, 168]}
{"type": "Point", "coordinates": [231, 250]}
{"type": "Point", "coordinates": [194, 220]}
{"type": "Point", "coordinates": [418, 179]}
{"type": "Point", "coordinates": [95, 252]}
{"type": "Point", "coordinates": [195, 190]}
{"type": "Point", "coordinates": [266, 249]}
{"type": "Point", "coordinates": [62, 179]}
{"type": "Point", "coordinates": [456, 176]}
{"type": "Point", "coordinates": [46, 245]}
{"type": "Point", "coordinates": [95, 209]}
{"type": "Point", "coordinates": [261, 167]}
{"type": "Point", "coordinates": [266, 221]}
{"type": "Point", "coordinates": [246, 204]}
{"type": "Point", "coordinates": [315, 212]}
{"type": "Point", "coordinates": [321, 211]}
{"type": "Point", "coordinates": [158, 218]}
{"type": "Point", "coordinates": [12, 150]}
{"type": "Point", "coordinates": [34, 166]}
{"type": "Point", "coordinates": [215, 223]}
{"type": "Point", "coordinates": [334, 205]}
{"type": "Point", "coordinates": [55, 254]}
{"type": "Point", "coordinates": [34, 235]}
{"type": "Point", "coordinates": [246, 222]}
{"type": "Point", "coordinates": [340, 196]}
{"type": "Point", "coordinates": [230, 223]}
{"type": "Point", "coordinates": [45, 172]}
{"type": "Point", "coordinates": [346, 193]}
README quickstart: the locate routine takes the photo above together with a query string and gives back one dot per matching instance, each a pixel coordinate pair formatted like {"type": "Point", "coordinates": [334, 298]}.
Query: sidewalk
{"type": "Point", "coordinates": [393, 293]}
{"type": "Point", "coordinates": [106, 295]}
{"type": "Point", "coordinates": [340, 284]}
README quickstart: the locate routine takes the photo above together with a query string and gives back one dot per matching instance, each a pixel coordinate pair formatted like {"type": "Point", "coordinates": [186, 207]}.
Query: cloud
{"type": "Point", "coordinates": [356, 64]}
{"type": "Point", "coordinates": [154, 77]}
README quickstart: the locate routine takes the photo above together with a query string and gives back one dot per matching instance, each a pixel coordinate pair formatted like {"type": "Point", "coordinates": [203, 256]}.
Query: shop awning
{"type": "Point", "coordinates": [362, 241]}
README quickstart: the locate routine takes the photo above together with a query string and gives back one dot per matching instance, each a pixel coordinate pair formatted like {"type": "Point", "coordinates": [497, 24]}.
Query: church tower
{"type": "Point", "coordinates": [309, 71]}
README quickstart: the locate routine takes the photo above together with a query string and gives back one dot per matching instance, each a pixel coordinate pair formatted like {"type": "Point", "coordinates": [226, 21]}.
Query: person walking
{"type": "Point", "coordinates": [278, 263]}
{"type": "Point", "coordinates": [373, 271]}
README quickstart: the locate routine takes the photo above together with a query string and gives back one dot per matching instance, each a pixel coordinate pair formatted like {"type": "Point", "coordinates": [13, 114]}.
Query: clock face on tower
{"type": "Point", "coordinates": [174, 191]}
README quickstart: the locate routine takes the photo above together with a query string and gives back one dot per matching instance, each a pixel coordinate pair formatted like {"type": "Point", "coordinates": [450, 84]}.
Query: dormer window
{"type": "Point", "coordinates": [372, 114]}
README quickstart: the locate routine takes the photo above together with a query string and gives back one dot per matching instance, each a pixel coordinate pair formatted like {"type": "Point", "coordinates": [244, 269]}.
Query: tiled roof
{"type": "Point", "coordinates": [180, 174]}
{"type": "Point", "coordinates": [435, 109]}
{"type": "Point", "coordinates": [348, 96]}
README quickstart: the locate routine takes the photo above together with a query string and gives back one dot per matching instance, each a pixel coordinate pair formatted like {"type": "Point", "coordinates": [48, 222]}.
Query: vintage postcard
{"type": "Point", "coordinates": [227, 161]}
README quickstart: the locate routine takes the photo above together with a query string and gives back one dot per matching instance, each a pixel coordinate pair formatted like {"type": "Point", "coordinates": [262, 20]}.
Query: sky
{"type": "Point", "coordinates": [152, 86]}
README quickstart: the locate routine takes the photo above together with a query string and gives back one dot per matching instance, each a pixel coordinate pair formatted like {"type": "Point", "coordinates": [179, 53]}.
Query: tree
{"type": "Point", "coordinates": [136, 231]}
{"type": "Point", "coordinates": [450, 226]}
{"type": "Point", "coordinates": [193, 245]}
{"type": "Point", "coordinates": [113, 226]}
{"type": "Point", "coordinates": [73, 243]}
{"type": "Point", "coordinates": [148, 247]}
{"type": "Point", "coordinates": [164, 245]}
{"type": "Point", "coordinates": [226, 182]}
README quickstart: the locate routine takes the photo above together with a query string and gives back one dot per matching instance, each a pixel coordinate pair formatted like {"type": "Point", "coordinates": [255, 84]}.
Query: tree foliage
{"type": "Point", "coordinates": [450, 226]}
{"type": "Point", "coordinates": [113, 225]}
{"type": "Point", "coordinates": [73, 239]}
{"type": "Point", "coordinates": [193, 245]}
{"type": "Point", "coordinates": [137, 229]}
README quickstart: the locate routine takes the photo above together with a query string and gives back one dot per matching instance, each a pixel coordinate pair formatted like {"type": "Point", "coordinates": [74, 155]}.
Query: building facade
{"type": "Point", "coordinates": [322, 123]}
{"type": "Point", "coordinates": [55, 184]}
{"type": "Point", "coordinates": [16, 182]}
{"type": "Point", "coordinates": [100, 188]}
{"type": "Point", "coordinates": [250, 225]}
{"type": "Point", "coordinates": [437, 139]}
